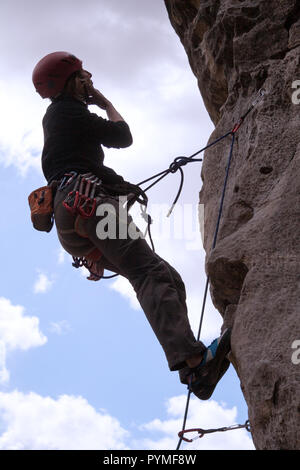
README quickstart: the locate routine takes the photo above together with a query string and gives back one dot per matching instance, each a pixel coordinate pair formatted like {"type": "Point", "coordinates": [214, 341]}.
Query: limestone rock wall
{"type": "Point", "coordinates": [235, 47]}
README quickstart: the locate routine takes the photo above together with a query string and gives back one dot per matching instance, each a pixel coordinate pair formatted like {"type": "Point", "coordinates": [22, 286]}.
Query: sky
{"type": "Point", "coordinates": [80, 367]}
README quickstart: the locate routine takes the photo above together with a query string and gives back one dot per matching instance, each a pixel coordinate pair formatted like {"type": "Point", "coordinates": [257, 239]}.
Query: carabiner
{"type": "Point", "coordinates": [86, 213]}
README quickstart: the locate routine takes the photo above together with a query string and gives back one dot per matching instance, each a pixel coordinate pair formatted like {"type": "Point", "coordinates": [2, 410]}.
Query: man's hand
{"type": "Point", "coordinates": [96, 97]}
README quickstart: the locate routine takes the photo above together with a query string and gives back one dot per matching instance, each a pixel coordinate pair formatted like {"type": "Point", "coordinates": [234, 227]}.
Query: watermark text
{"type": "Point", "coordinates": [296, 93]}
{"type": "Point", "coordinates": [296, 353]}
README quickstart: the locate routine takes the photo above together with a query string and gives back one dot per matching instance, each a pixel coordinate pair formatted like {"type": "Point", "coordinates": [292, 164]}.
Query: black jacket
{"type": "Point", "coordinates": [73, 137]}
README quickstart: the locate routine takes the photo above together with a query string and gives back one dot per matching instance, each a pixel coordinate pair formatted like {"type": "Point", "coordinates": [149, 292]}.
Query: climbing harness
{"type": "Point", "coordinates": [236, 127]}
{"type": "Point", "coordinates": [201, 432]}
{"type": "Point", "coordinates": [82, 201]}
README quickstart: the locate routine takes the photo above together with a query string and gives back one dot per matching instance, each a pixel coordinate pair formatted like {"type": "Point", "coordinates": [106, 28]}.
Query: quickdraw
{"type": "Point", "coordinates": [87, 205]}
{"type": "Point", "coordinates": [81, 200]}
{"type": "Point", "coordinates": [202, 432]}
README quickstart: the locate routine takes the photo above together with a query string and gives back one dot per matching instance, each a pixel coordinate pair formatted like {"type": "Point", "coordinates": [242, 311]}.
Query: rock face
{"type": "Point", "coordinates": [235, 47]}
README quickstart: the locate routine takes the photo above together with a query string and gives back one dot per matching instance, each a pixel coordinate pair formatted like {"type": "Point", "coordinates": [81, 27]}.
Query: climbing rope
{"type": "Point", "coordinates": [259, 96]}
{"type": "Point", "coordinates": [177, 164]}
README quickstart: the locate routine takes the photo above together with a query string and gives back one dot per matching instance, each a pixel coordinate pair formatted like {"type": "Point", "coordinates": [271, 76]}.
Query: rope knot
{"type": "Point", "coordinates": [177, 163]}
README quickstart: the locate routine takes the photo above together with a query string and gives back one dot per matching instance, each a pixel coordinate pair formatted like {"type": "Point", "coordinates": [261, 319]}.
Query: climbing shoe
{"type": "Point", "coordinates": [203, 379]}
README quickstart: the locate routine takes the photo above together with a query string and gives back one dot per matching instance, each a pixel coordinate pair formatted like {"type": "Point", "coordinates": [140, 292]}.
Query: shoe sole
{"type": "Point", "coordinates": [214, 370]}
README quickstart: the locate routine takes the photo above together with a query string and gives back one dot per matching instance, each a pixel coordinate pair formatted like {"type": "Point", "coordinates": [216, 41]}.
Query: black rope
{"type": "Point", "coordinates": [207, 279]}
{"type": "Point", "coordinates": [177, 163]}
{"type": "Point", "coordinates": [259, 96]}
{"type": "Point", "coordinates": [140, 194]}
{"type": "Point", "coordinates": [177, 159]}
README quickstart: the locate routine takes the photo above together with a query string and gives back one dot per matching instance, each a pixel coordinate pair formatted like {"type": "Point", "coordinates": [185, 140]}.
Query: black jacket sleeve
{"type": "Point", "coordinates": [110, 133]}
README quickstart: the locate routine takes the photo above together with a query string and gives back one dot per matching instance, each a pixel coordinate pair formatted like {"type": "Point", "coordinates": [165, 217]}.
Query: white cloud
{"type": "Point", "coordinates": [61, 255]}
{"type": "Point", "coordinates": [4, 373]}
{"type": "Point", "coordinates": [83, 271]}
{"type": "Point", "coordinates": [33, 422]}
{"type": "Point", "coordinates": [124, 288]}
{"type": "Point", "coordinates": [21, 136]}
{"type": "Point", "coordinates": [205, 415]}
{"type": "Point", "coordinates": [42, 284]}
{"type": "Point", "coordinates": [17, 331]}
{"type": "Point", "coordinates": [212, 320]}
{"type": "Point", "coordinates": [61, 327]}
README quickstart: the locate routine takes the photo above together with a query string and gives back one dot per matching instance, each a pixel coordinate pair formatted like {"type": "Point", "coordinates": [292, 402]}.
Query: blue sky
{"type": "Point", "coordinates": [79, 365]}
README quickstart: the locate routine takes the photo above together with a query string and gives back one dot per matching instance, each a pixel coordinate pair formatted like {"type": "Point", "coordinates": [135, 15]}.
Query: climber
{"type": "Point", "coordinates": [73, 139]}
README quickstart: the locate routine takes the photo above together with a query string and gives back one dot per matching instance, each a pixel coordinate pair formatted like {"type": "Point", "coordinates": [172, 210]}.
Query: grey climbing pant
{"type": "Point", "coordinates": [158, 286]}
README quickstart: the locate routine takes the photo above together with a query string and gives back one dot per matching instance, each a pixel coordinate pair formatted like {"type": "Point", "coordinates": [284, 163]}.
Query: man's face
{"type": "Point", "coordinates": [82, 84]}
{"type": "Point", "coordinates": [85, 78]}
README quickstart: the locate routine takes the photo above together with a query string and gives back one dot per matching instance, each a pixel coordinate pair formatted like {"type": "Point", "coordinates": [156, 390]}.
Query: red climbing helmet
{"type": "Point", "coordinates": [52, 71]}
